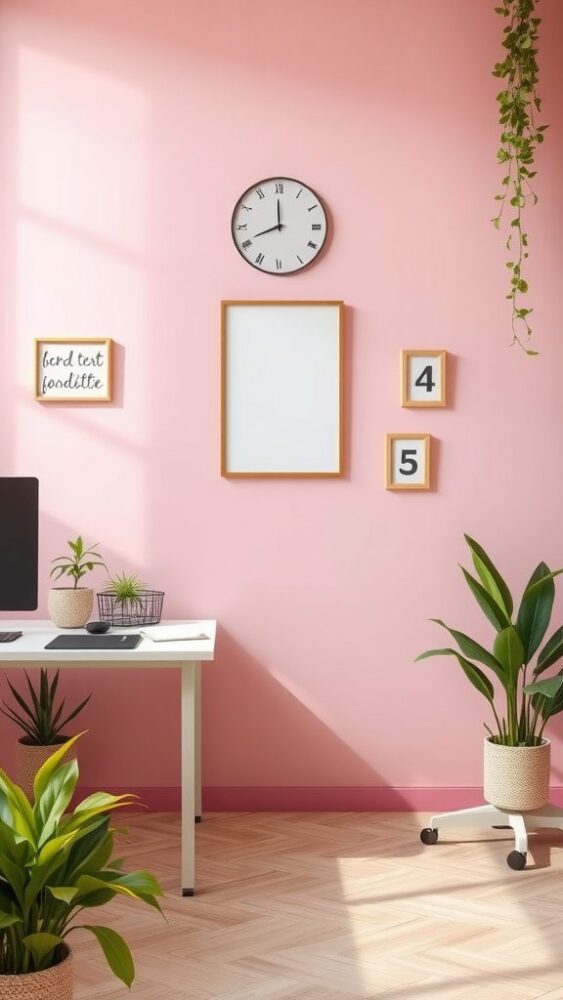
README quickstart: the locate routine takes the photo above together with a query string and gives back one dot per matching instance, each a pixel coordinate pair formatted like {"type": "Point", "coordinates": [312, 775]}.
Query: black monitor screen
{"type": "Point", "coordinates": [18, 543]}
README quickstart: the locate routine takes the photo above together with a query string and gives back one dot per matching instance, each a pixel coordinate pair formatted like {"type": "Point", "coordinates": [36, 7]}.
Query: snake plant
{"type": "Point", "coordinates": [54, 866]}
{"type": "Point", "coordinates": [512, 678]}
{"type": "Point", "coordinates": [40, 718]}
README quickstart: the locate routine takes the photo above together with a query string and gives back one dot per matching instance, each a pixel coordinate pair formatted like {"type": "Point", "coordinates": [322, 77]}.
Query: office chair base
{"type": "Point", "coordinates": [489, 816]}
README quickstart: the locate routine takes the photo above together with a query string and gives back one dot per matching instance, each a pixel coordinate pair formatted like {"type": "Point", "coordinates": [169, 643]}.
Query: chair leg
{"type": "Point", "coordinates": [482, 816]}
{"type": "Point", "coordinates": [518, 824]}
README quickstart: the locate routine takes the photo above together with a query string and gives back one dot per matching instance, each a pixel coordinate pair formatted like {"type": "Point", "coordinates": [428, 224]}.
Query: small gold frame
{"type": "Point", "coordinates": [105, 342]}
{"type": "Point", "coordinates": [404, 435]}
{"type": "Point", "coordinates": [405, 359]}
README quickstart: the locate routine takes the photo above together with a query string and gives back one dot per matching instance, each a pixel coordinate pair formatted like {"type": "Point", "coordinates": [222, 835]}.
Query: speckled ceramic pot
{"type": "Point", "coordinates": [52, 984]}
{"type": "Point", "coordinates": [29, 758]}
{"type": "Point", "coordinates": [70, 607]}
{"type": "Point", "coordinates": [516, 778]}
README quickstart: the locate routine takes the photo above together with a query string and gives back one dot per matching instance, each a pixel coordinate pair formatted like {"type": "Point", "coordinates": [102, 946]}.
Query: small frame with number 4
{"type": "Point", "coordinates": [407, 462]}
{"type": "Point", "coordinates": [423, 378]}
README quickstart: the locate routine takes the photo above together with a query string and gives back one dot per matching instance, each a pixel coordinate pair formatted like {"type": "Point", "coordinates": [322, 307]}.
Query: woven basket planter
{"type": "Point", "coordinates": [516, 778]}
{"type": "Point", "coordinates": [52, 984]}
{"type": "Point", "coordinates": [29, 758]}
{"type": "Point", "coordinates": [70, 607]}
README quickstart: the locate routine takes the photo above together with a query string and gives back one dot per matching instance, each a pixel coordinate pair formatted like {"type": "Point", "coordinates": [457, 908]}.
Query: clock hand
{"type": "Point", "coordinates": [270, 230]}
{"type": "Point", "coordinates": [279, 216]}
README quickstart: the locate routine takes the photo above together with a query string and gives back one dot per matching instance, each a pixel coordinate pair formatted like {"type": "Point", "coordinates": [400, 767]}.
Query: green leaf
{"type": "Point", "coordinates": [141, 882]}
{"type": "Point", "coordinates": [116, 952]}
{"type": "Point", "coordinates": [473, 673]}
{"type": "Point", "coordinates": [551, 652]}
{"type": "Point", "coordinates": [549, 687]}
{"type": "Point", "coordinates": [496, 615]}
{"type": "Point", "coordinates": [8, 920]}
{"type": "Point", "coordinates": [474, 650]}
{"type": "Point", "coordinates": [55, 799]}
{"type": "Point", "coordinates": [23, 820]}
{"type": "Point", "coordinates": [490, 576]}
{"type": "Point", "coordinates": [64, 893]}
{"type": "Point", "coordinates": [56, 846]}
{"type": "Point", "coordinates": [509, 650]}
{"type": "Point", "coordinates": [41, 945]}
{"type": "Point", "coordinates": [535, 609]}
{"type": "Point", "coordinates": [45, 772]}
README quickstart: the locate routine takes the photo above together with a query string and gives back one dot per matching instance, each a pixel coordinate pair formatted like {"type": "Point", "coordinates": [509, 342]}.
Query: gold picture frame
{"type": "Point", "coordinates": [105, 345]}
{"type": "Point", "coordinates": [440, 398]}
{"type": "Point", "coordinates": [332, 394]}
{"type": "Point", "coordinates": [407, 460]}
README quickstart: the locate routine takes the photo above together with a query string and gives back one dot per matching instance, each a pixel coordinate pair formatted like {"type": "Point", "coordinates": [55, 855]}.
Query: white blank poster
{"type": "Point", "coordinates": [282, 388]}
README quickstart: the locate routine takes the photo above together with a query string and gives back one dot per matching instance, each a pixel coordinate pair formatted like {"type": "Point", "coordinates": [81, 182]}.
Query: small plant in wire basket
{"type": "Point", "coordinates": [126, 601]}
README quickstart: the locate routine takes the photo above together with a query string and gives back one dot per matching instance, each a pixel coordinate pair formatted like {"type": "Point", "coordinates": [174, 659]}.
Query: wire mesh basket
{"type": "Point", "coordinates": [146, 609]}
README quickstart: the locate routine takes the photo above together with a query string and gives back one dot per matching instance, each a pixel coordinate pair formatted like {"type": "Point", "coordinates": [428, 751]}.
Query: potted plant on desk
{"type": "Point", "coordinates": [125, 601]}
{"type": "Point", "coordinates": [53, 866]}
{"type": "Point", "coordinates": [42, 722]}
{"type": "Point", "coordinates": [517, 755]}
{"type": "Point", "coordinates": [71, 607]}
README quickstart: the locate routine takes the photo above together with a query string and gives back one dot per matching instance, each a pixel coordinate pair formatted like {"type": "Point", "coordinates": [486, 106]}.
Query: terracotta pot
{"type": "Point", "coordinates": [70, 607]}
{"type": "Point", "coordinates": [516, 778]}
{"type": "Point", "coordinates": [52, 984]}
{"type": "Point", "coordinates": [29, 758]}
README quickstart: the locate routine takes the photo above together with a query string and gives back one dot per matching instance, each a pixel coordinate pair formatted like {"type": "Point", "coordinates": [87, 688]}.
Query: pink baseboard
{"type": "Point", "coordinates": [318, 799]}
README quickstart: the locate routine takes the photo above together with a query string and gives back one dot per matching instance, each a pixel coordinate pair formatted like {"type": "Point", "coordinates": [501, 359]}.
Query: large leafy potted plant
{"type": "Point", "coordinates": [71, 607]}
{"type": "Point", "coordinates": [517, 755]}
{"type": "Point", "coordinates": [53, 867]}
{"type": "Point", "coordinates": [42, 721]}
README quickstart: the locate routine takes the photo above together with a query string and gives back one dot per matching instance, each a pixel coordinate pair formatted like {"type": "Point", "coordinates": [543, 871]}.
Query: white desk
{"type": "Point", "coordinates": [187, 656]}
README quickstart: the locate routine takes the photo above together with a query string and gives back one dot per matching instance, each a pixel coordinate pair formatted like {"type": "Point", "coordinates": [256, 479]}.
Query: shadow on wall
{"type": "Point", "coordinates": [266, 729]}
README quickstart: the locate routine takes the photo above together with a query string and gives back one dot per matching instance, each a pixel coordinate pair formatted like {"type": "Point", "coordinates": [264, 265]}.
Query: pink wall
{"type": "Point", "coordinates": [125, 141]}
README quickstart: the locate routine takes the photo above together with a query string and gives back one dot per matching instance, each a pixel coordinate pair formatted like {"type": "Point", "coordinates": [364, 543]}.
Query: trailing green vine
{"type": "Point", "coordinates": [518, 105]}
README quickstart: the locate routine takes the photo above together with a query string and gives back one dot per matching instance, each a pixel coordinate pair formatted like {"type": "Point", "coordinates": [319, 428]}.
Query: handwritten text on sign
{"type": "Point", "coordinates": [74, 370]}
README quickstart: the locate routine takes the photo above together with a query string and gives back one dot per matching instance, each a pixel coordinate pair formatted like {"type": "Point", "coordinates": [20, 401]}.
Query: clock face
{"type": "Point", "coordinates": [279, 225]}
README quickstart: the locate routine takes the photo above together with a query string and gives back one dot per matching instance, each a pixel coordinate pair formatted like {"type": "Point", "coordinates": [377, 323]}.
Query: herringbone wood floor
{"type": "Point", "coordinates": [333, 906]}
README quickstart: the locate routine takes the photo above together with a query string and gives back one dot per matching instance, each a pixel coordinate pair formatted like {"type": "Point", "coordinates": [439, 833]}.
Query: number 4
{"type": "Point", "coordinates": [425, 379]}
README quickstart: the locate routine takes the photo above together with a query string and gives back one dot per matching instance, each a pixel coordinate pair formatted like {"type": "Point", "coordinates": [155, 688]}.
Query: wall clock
{"type": "Point", "coordinates": [279, 225]}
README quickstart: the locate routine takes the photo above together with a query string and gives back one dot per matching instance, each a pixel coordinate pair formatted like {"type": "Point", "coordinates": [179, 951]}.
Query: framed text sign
{"type": "Point", "coordinates": [282, 389]}
{"type": "Point", "coordinates": [73, 371]}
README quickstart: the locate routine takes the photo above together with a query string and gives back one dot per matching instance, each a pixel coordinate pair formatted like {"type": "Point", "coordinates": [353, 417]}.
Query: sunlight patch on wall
{"type": "Point", "coordinates": [82, 149]}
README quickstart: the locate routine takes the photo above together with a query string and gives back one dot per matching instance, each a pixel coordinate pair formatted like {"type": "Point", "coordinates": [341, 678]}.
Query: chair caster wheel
{"type": "Point", "coordinates": [516, 860]}
{"type": "Point", "coordinates": [429, 836]}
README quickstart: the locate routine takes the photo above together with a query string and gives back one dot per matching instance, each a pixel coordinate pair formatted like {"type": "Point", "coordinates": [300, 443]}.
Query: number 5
{"type": "Point", "coordinates": [410, 462]}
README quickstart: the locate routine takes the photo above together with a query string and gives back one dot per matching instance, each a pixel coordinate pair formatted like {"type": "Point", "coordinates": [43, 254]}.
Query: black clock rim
{"type": "Point", "coordinates": [296, 270]}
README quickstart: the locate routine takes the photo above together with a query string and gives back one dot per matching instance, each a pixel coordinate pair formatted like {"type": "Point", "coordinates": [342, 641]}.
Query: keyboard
{"type": "Point", "coordinates": [9, 636]}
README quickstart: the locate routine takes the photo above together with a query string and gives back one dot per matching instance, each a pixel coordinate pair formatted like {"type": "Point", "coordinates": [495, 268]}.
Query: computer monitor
{"type": "Point", "coordinates": [19, 531]}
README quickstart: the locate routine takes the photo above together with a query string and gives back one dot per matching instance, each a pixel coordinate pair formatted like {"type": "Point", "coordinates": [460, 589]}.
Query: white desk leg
{"type": "Point", "coordinates": [198, 810]}
{"type": "Point", "coordinates": [188, 776]}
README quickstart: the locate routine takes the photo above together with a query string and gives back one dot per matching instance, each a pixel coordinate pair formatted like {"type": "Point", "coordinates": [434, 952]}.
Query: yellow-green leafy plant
{"type": "Point", "coordinates": [54, 866]}
{"type": "Point", "coordinates": [528, 706]}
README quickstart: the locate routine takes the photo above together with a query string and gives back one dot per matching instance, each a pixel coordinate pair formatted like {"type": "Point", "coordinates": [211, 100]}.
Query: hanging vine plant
{"type": "Point", "coordinates": [519, 105]}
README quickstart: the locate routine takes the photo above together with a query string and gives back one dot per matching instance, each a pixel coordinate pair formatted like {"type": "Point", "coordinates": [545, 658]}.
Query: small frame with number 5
{"type": "Point", "coordinates": [423, 378]}
{"type": "Point", "coordinates": [407, 462]}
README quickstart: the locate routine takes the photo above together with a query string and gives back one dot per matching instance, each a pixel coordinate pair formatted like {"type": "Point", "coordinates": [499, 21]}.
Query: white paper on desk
{"type": "Point", "coordinates": [173, 633]}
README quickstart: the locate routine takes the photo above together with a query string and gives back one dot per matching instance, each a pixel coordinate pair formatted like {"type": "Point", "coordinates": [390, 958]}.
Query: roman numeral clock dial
{"type": "Point", "coordinates": [279, 225]}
